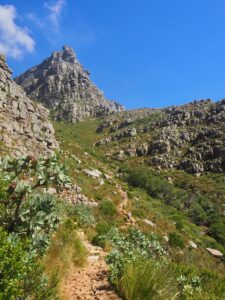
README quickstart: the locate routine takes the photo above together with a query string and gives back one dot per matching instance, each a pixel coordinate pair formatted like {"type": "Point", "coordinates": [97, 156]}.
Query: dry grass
{"type": "Point", "coordinates": [65, 254]}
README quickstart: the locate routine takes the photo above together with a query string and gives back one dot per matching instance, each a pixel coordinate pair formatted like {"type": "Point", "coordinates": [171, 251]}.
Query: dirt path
{"type": "Point", "coordinates": [90, 282]}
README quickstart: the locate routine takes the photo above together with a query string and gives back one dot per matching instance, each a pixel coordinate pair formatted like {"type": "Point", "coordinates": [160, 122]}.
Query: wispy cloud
{"type": "Point", "coordinates": [37, 21]}
{"type": "Point", "coordinates": [14, 40]}
{"type": "Point", "coordinates": [55, 10]}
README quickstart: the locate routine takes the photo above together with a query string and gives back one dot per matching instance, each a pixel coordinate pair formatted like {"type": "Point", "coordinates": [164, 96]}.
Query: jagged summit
{"type": "Point", "coordinates": [62, 84]}
{"type": "Point", "coordinates": [68, 54]}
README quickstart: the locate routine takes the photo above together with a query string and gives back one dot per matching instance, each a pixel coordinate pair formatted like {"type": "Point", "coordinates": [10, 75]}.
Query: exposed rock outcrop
{"type": "Point", "coordinates": [61, 84]}
{"type": "Point", "coordinates": [24, 125]}
{"type": "Point", "coordinates": [190, 137]}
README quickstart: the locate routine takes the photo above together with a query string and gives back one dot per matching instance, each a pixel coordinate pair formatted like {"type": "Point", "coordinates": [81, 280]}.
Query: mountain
{"type": "Point", "coordinates": [62, 84]}
{"type": "Point", "coordinates": [188, 137]}
{"type": "Point", "coordinates": [133, 194]}
{"type": "Point", "coordinates": [25, 126]}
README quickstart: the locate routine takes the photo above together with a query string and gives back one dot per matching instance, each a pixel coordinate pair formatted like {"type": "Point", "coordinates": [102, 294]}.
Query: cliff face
{"type": "Point", "coordinates": [61, 84]}
{"type": "Point", "coordinates": [24, 125]}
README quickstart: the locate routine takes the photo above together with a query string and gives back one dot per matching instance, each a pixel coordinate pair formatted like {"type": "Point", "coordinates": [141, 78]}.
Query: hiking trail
{"type": "Point", "coordinates": [91, 281]}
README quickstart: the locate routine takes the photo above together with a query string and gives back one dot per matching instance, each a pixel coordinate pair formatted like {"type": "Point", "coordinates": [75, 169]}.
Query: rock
{"type": "Point", "coordinates": [192, 245]}
{"type": "Point", "coordinates": [93, 173]}
{"type": "Point", "coordinates": [93, 257]}
{"type": "Point", "coordinates": [189, 137]}
{"type": "Point", "coordinates": [214, 252]}
{"type": "Point", "coordinates": [120, 155]}
{"type": "Point", "coordinates": [102, 142]}
{"type": "Point", "coordinates": [25, 125]}
{"type": "Point", "coordinates": [165, 237]}
{"type": "Point", "coordinates": [61, 84]}
{"type": "Point", "coordinates": [170, 180]}
{"type": "Point", "coordinates": [101, 181]}
{"type": "Point", "coordinates": [160, 147]}
{"type": "Point", "coordinates": [148, 222]}
{"type": "Point", "coordinates": [131, 132]}
{"type": "Point", "coordinates": [93, 203]}
{"type": "Point", "coordinates": [108, 177]}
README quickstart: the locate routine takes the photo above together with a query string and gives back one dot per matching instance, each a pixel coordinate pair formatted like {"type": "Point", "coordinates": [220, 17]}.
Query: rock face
{"type": "Point", "coordinates": [190, 137]}
{"type": "Point", "coordinates": [24, 125]}
{"type": "Point", "coordinates": [61, 84]}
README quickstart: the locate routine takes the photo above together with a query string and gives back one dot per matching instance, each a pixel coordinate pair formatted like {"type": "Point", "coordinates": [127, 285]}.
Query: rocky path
{"type": "Point", "coordinates": [90, 282]}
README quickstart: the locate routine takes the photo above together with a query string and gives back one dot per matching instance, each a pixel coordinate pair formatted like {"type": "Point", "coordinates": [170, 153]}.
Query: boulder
{"type": "Point", "coordinates": [93, 173]}
{"type": "Point", "coordinates": [148, 222]}
{"type": "Point", "coordinates": [192, 245]}
{"type": "Point", "coordinates": [214, 252]}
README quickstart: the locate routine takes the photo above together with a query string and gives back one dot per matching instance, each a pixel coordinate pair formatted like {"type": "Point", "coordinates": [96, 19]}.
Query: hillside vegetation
{"type": "Point", "coordinates": [175, 214]}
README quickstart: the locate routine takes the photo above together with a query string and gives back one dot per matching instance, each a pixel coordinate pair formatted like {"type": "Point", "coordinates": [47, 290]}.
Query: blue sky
{"type": "Point", "coordinates": [146, 53]}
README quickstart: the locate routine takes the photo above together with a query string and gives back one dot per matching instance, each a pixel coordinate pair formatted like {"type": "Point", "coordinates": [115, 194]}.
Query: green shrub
{"type": "Point", "coordinates": [83, 215]}
{"type": "Point", "coordinates": [108, 207]}
{"type": "Point", "coordinates": [129, 247]}
{"type": "Point", "coordinates": [23, 177]}
{"type": "Point", "coordinates": [98, 197]}
{"type": "Point", "coordinates": [20, 274]}
{"type": "Point", "coordinates": [39, 217]}
{"type": "Point", "coordinates": [175, 240]}
{"type": "Point", "coordinates": [100, 239]}
{"type": "Point", "coordinates": [28, 218]}
{"type": "Point", "coordinates": [178, 222]}
{"type": "Point", "coordinates": [197, 214]}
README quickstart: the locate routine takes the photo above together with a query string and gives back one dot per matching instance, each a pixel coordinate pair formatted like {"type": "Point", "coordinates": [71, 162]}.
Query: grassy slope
{"type": "Point", "coordinates": [78, 140]}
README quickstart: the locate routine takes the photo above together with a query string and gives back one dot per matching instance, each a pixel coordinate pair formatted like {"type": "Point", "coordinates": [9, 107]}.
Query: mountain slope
{"type": "Point", "coordinates": [185, 211]}
{"type": "Point", "coordinates": [24, 125]}
{"type": "Point", "coordinates": [61, 84]}
{"type": "Point", "coordinates": [188, 137]}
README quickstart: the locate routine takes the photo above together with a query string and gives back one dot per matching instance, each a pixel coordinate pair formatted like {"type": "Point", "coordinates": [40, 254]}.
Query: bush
{"type": "Point", "coordinates": [28, 219]}
{"type": "Point", "coordinates": [83, 215]}
{"type": "Point", "coordinates": [198, 214]}
{"type": "Point", "coordinates": [175, 240]}
{"type": "Point", "coordinates": [39, 217]}
{"type": "Point", "coordinates": [20, 274]}
{"type": "Point", "coordinates": [129, 247]}
{"type": "Point", "coordinates": [100, 239]}
{"type": "Point", "coordinates": [108, 208]}
{"type": "Point", "coordinates": [217, 230]}
{"type": "Point", "coordinates": [23, 177]}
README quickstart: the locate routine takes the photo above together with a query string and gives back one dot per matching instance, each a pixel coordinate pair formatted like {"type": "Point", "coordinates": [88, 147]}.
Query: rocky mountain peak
{"type": "Point", "coordinates": [68, 54]}
{"type": "Point", "coordinates": [62, 84]}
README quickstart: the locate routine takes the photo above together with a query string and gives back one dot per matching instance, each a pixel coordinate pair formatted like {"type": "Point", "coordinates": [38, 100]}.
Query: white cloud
{"type": "Point", "coordinates": [55, 11]}
{"type": "Point", "coordinates": [14, 40]}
